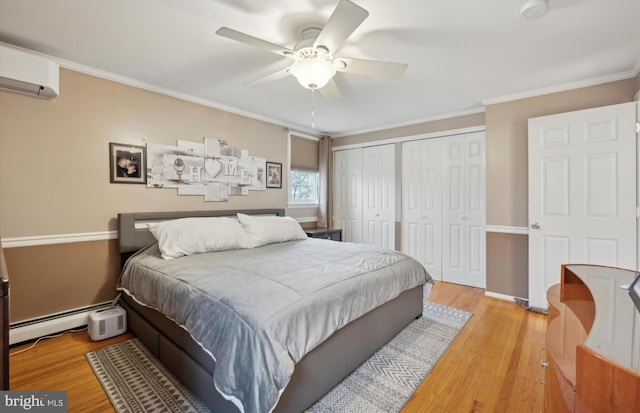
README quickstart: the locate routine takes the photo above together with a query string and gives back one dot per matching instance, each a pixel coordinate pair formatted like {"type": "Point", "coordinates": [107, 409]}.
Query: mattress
{"type": "Point", "coordinates": [258, 311]}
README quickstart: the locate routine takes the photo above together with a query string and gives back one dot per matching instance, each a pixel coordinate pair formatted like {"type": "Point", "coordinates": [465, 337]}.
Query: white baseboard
{"type": "Point", "coordinates": [500, 296]}
{"type": "Point", "coordinates": [52, 324]}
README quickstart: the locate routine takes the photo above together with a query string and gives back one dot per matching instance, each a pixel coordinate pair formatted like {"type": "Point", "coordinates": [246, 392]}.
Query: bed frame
{"type": "Point", "coordinates": [315, 374]}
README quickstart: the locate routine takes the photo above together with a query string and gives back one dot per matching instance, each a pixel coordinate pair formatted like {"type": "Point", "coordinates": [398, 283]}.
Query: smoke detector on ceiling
{"type": "Point", "coordinates": [533, 9]}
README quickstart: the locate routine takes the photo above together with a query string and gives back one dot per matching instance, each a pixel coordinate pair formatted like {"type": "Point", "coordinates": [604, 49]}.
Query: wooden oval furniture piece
{"type": "Point", "coordinates": [592, 342]}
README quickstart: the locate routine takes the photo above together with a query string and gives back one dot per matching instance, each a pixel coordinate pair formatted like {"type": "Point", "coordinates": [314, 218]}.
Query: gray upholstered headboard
{"type": "Point", "coordinates": [132, 237]}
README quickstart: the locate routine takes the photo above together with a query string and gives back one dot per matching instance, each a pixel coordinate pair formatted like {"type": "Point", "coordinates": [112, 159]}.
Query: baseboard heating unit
{"type": "Point", "coordinates": [52, 324]}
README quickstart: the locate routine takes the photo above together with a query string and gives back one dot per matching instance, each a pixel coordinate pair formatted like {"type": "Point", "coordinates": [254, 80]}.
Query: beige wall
{"type": "Point", "coordinates": [508, 264]}
{"type": "Point", "coordinates": [54, 169]}
{"type": "Point", "coordinates": [54, 179]}
{"type": "Point", "coordinates": [49, 279]}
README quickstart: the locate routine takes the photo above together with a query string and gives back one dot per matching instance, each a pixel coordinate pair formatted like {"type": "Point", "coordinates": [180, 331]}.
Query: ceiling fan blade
{"type": "Point", "coordinates": [373, 68]}
{"type": "Point", "coordinates": [254, 41]}
{"type": "Point", "coordinates": [330, 91]}
{"type": "Point", "coordinates": [345, 20]}
{"type": "Point", "coordinates": [271, 77]}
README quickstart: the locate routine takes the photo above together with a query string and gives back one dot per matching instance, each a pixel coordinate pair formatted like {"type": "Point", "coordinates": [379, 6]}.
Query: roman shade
{"type": "Point", "coordinates": [304, 154]}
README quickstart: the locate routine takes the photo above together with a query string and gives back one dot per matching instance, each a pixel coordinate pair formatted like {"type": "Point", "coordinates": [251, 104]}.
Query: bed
{"type": "Point", "coordinates": [265, 349]}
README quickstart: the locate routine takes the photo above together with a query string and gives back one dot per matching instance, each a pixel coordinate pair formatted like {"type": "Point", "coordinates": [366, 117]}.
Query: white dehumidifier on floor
{"type": "Point", "coordinates": [107, 322]}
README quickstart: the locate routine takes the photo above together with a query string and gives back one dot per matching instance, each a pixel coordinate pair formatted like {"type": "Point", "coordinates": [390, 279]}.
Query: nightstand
{"type": "Point", "coordinates": [326, 233]}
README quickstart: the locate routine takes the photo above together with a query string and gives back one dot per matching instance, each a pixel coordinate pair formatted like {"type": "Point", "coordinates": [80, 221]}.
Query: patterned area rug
{"type": "Point", "coordinates": [136, 382]}
{"type": "Point", "coordinates": [385, 382]}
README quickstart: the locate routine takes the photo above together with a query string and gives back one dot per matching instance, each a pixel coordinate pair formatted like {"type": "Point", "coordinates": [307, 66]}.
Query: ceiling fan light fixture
{"type": "Point", "coordinates": [312, 72]}
{"type": "Point", "coordinates": [533, 9]}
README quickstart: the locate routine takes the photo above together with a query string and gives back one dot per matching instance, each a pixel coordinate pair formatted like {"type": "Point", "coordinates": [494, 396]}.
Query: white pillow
{"type": "Point", "coordinates": [187, 236]}
{"type": "Point", "coordinates": [263, 230]}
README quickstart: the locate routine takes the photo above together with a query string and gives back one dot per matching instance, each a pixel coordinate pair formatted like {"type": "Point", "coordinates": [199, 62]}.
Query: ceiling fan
{"type": "Point", "coordinates": [314, 64]}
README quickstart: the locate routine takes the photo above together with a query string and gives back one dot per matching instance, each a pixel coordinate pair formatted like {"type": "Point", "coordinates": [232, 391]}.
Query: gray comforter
{"type": "Point", "coordinates": [259, 311]}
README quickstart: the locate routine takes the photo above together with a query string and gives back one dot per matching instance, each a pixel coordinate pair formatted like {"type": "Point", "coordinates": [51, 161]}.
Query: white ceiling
{"type": "Point", "coordinates": [459, 53]}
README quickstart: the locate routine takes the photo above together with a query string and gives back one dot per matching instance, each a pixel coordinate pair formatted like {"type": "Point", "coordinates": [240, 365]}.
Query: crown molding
{"type": "Point", "coordinates": [92, 71]}
{"type": "Point", "coordinates": [401, 139]}
{"type": "Point", "coordinates": [167, 92]}
{"type": "Point", "coordinates": [293, 132]}
{"type": "Point", "coordinates": [67, 64]}
{"type": "Point", "coordinates": [636, 69]}
{"type": "Point", "coordinates": [562, 87]}
{"type": "Point", "coordinates": [412, 122]}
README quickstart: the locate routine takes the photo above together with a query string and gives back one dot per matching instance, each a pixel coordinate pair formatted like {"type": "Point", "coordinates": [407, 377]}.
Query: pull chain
{"type": "Point", "coordinates": [313, 109]}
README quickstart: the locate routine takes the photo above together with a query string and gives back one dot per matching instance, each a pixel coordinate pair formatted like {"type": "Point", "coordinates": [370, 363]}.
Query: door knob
{"type": "Point", "coordinates": [535, 225]}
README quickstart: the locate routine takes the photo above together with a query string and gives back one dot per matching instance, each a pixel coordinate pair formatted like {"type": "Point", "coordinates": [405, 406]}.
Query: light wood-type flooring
{"type": "Point", "coordinates": [492, 366]}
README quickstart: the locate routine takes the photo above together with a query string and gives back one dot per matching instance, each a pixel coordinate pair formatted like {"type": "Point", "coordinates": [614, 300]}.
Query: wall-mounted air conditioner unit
{"type": "Point", "coordinates": [28, 73]}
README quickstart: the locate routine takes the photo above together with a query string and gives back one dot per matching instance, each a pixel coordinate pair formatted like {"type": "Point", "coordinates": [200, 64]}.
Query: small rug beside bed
{"type": "Point", "coordinates": [136, 382]}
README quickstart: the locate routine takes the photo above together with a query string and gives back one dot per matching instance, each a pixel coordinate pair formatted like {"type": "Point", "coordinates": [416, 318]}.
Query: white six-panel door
{"type": "Point", "coordinates": [378, 196]}
{"type": "Point", "coordinates": [582, 193]}
{"type": "Point", "coordinates": [463, 210]}
{"type": "Point", "coordinates": [422, 203]}
{"type": "Point", "coordinates": [347, 195]}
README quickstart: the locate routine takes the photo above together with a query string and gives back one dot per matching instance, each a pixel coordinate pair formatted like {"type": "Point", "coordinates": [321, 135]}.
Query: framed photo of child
{"type": "Point", "coordinates": [127, 164]}
{"type": "Point", "coordinates": [274, 175]}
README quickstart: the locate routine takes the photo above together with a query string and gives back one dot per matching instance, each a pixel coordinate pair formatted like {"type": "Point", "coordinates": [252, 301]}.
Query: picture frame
{"type": "Point", "coordinates": [274, 175]}
{"type": "Point", "coordinates": [127, 164]}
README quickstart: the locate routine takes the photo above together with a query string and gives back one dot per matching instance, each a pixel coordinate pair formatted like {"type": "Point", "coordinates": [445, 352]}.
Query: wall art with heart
{"type": "Point", "coordinates": [212, 169]}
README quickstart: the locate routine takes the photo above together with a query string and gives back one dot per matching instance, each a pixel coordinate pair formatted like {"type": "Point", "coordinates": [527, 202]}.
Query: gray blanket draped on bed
{"type": "Point", "coordinates": [258, 311]}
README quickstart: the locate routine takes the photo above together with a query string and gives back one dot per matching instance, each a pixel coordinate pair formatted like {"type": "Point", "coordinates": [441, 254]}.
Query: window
{"type": "Point", "coordinates": [303, 186]}
{"type": "Point", "coordinates": [304, 175]}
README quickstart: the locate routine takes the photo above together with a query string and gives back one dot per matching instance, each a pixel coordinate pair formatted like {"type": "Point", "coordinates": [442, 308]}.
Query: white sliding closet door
{"type": "Point", "coordinates": [422, 203]}
{"type": "Point", "coordinates": [378, 196]}
{"type": "Point", "coordinates": [364, 194]}
{"type": "Point", "coordinates": [443, 206]}
{"type": "Point", "coordinates": [347, 194]}
{"type": "Point", "coordinates": [463, 207]}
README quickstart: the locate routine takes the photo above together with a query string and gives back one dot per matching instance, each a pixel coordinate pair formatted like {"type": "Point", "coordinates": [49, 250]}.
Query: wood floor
{"type": "Point", "coordinates": [492, 366]}
{"type": "Point", "coordinates": [494, 363]}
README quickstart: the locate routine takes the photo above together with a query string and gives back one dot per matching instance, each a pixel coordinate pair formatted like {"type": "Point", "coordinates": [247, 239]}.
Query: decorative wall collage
{"type": "Point", "coordinates": [212, 169]}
